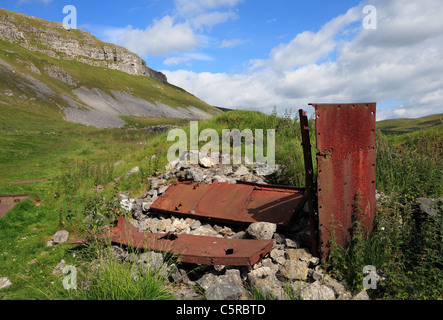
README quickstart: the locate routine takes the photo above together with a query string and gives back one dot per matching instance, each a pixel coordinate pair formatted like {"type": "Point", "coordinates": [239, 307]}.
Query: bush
{"type": "Point", "coordinates": [406, 248]}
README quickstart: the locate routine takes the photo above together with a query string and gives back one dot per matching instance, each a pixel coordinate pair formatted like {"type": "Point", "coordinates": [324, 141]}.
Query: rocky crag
{"type": "Point", "coordinates": [57, 41]}
{"type": "Point", "coordinates": [44, 66]}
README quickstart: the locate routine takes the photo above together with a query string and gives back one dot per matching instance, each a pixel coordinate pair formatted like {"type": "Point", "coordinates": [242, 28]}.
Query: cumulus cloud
{"type": "Point", "coordinates": [196, 7]}
{"type": "Point", "coordinates": [186, 58]}
{"type": "Point", "coordinates": [402, 60]}
{"type": "Point", "coordinates": [210, 19]}
{"type": "Point", "coordinates": [230, 43]}
{"type": "Point", "coordinates": [161, 38]}
{"type": "Point", "coordinates": [204, 14]}
{"type": "Point", "coordinates": [176, 37]}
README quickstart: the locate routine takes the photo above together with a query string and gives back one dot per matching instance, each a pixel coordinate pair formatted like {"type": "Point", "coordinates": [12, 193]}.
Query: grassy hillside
{"type": "Point", "coordinates": [36, 141]}
{"type": "Point", "coordinates": [76, 159]}
{"type": "Point", "coordinates": [399, 126]}
{"type": "Point", "coordinates": [89, 76]}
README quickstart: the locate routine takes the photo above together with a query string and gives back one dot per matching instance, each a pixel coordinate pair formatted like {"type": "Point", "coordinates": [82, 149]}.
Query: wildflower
{"type": "Point", "coordinates": [13, 259]}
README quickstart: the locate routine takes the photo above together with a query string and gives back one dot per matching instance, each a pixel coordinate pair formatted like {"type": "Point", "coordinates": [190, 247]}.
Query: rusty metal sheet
{"type": "Point", "coordinates": [241, 203]}
{"type": "Point", "coordinates": [190, 248]}
{"type": "Point", "coordinates": [346, 168]}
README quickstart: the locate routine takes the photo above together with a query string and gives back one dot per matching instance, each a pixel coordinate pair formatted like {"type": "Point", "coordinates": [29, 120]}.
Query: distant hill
{"type": "Point", "coordinates": [48, 70]}
{"type": "Point", "coordinates": [404, 125]}
{"type": "Point", "coordinates": [224, 109]}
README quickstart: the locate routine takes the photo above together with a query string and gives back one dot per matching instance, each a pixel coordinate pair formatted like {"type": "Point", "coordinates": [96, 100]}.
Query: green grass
{"type": "Point", "coordinates": [410, 164]}
{"type": "Point", "coordinates": [108, 278]}
{"type": "Point", "coordinates": [143, 122]}
{"type": "Point", "coordinates": [77, 158]}
{"type": "Point", "coordinates": [400, 126]}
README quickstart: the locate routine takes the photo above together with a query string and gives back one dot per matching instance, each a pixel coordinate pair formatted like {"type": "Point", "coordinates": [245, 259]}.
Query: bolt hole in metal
{"type": "Point", "coordinates": [169, 236]}
{"type": "Point", "coordinates": [229, 252]}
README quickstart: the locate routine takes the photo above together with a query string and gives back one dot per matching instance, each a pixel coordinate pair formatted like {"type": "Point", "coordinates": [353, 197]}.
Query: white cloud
{"type": "Point", "coordinates": [175, 37]}
{"type": "Point", "coordinates": [196, 7]}
{"type": "Point", "coordinates": [231, 43]}
{"type": "Point", "coordinates": [210, 19]}
{"type": "Point", "coordinates": [161, 38]}
{"type": "Point", "coordinates": [187, 58]}
{"type": "Point", "coordinates": [402, 60]}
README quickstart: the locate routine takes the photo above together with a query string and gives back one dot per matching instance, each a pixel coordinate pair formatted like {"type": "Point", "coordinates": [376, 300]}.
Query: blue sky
{"type": "Point", "coordinates": [254, 54]}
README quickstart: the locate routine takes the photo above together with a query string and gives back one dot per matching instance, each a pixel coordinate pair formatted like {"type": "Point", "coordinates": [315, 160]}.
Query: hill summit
{"type": "Point", "coordinates": [53, 39]}
{"type": "Point", "coordinates": [44, 65]}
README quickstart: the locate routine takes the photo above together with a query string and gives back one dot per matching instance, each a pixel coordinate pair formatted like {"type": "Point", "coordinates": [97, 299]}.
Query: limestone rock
{"type": "Point", "coordinates": [241, 171]}
{"type": "Point", "coordinates": [362, 295]}
{"type": "Point", "coordinates": [317, 291]}
{"type": "Point", "coordinates": [132, 171]}
{"type": "Point", "coordinates": [164, 224]}
{"type": "Point", "coordinates": [338, 288]}
{"type": "Point", "coordinates": [226, 287]}
{"type": "Point", "coordinates": [5, 283]}
{"type": "Point", "coordinates": [206, 162]}
{"type": "Point", "coordinates": [265, 280]}
{"type": "Point", "coordinates": [294, 270]}
{"type": "Point", "coordinates": [261, 230]}
{"type": "Point", "coordinates": [59, 268]}
{"type": "Point", "coordinates": [59, 237]}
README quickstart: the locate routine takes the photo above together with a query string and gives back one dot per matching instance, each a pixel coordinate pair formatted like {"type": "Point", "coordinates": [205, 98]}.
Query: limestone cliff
{"type": "Point", "coordinates": [53, 39]}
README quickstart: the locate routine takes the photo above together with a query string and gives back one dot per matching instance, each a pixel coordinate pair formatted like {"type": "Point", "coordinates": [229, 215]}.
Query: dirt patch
{"type": "Point", "coordinates": [7, 202]}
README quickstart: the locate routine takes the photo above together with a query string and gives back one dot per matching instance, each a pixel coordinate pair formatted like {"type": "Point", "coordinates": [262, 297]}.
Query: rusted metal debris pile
{"type": "Point", "coordinates": [227, 216]}
{"type": "Point", "coordinates": [217, 223]}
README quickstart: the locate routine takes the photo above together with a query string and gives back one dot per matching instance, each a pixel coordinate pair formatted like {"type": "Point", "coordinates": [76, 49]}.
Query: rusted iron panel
{"type": "Point", "coordinates": [346, 168]}
{"type": "Point", "coordinates": [191, 248]}
{"type": "Point", "coordinates": [241, 203]}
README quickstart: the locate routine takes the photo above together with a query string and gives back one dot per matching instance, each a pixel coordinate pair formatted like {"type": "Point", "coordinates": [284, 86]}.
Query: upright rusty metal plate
{"type": "Point", "coordinates": [190, 248]}
{"type": "Point", "coordinates": [346, 169]}
{"type": "Point", "coordinates": [241, 203]}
